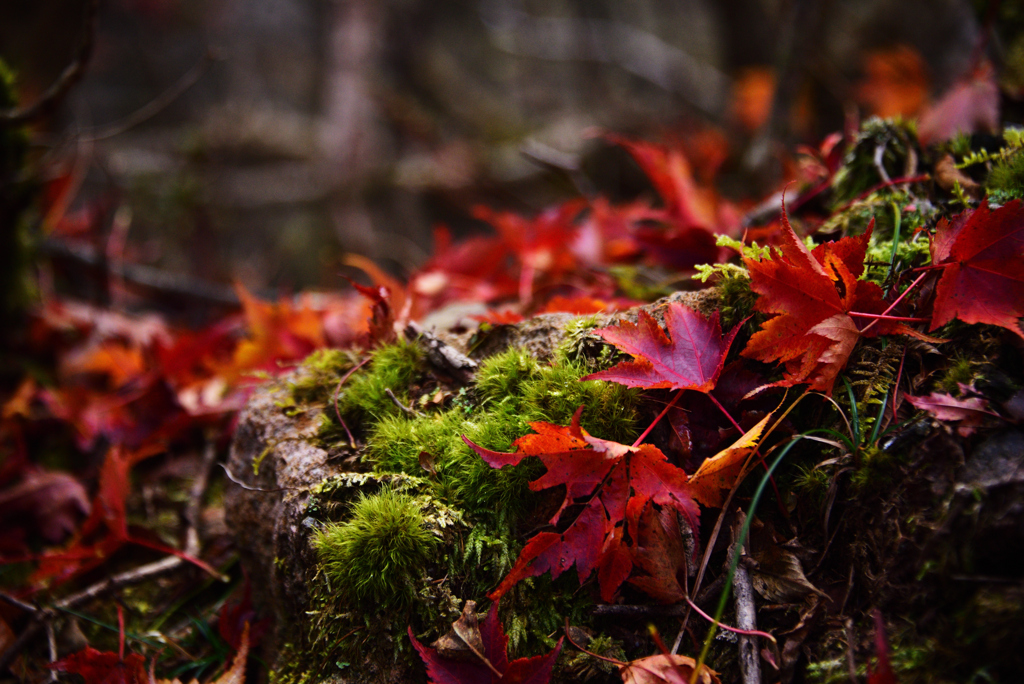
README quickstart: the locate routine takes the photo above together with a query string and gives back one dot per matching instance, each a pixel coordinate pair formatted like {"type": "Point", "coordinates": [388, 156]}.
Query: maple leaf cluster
{"type": "Point", "coordinates": [630, 495]}
{"type": "Point", "coordinates": [536, 262]}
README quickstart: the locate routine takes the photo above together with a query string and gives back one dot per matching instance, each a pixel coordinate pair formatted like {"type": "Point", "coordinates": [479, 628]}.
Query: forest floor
{"type": "Point", "coordinates": [801, 418]}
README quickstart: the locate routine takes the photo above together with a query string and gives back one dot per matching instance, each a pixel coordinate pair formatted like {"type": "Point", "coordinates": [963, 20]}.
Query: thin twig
{"type": "Point", "coordinates": [43, 616]}
{"type": "Point", "coordinates": [398, 402]}
{"type": "Point", "coordinates": [851, 663]}
{"type": "Point", "coordinates": [146, 279]}
{"type": "Point", "coordinates": [155, 106]}
{"type": "Point", "coordinates": [51, 643]}
{"type": "Point", "coordinates": [193, 511]}
{"type": "Point", "coordinates": [250, 488]}
{"type": "Point", "coordinates": [17, 603]}
{"type": "Point", "coordinates": [71, 75]}
{"type": "Point", "coordinates": [640, 612]}
{"type": "Point", "coordinates": [746, 613]}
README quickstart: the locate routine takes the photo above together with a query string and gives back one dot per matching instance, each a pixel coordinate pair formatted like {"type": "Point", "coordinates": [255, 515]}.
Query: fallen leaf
{"type": "Point", "coordinates": [981, 253]}
{"type": "Point", "coordinates": [812, 294]}
{"type": "Point", "coordinates": [779, 576]}
{"type": "Point", "coordinates": [618, 481]}
{"type": "Point", "coordinates": [970, 413]}
{"type": "Point", "coordinates": [718, 474]}
{"type": "Point", "coordinates": [895, 82]}
{"type": "Point", "coordinates": [105, 667]}
{"type": "Point", "coordinates": [661, 554]}
{"type": "Point", "coordinates": [490, 664]}
{"type": "Point", "coordinates": [752, 92]}
{"type": "Point", "coordinates": [691, 356]}
{"type": "Point", "coordinates": [947, 177]}
{"type": "Point", "coordinates": [666, 669]}
{"type": "Point", "coordinates": [970, 106]}
{"type": "Point", "coordinates": [55, 501]}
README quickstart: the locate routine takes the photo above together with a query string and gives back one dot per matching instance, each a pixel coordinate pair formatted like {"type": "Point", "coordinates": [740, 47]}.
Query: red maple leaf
{"type": "Point", "coordinates": [691, 356]}
{"type": "Point", "coordinates": [491, 665]}
{"type": "Point", "coordinates": [104, 667]}
{"type": "Point", "coordinates": [814, 293]}
{"type": "Point", "coordinates": [618, 483]}
{"type": "Point", "coordinates": [981, 253]}
{"type": "Point", "coordinates": [540, 246]}
{"type": "Point", "coordinates": [692, 212]}
{"type": "Point", "coordinates": [470, 271]}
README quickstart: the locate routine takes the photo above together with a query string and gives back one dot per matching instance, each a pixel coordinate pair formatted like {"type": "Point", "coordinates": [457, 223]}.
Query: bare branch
{"type": "Point", "coordinates": [69, 77]}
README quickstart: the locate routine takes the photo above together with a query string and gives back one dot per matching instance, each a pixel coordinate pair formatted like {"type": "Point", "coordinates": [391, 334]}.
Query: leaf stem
{"type": "Point", "coordinates": [337, 411]}
{"type": "Point", "coordinates": [727, 414]}
{"type": "Point", "coordinates": [883, 317]}
{"type": "Point", "coordinates": [898, 300]}
{"type": "Point", "coordinates": [737, 630]}
{"type": "Point", "coordinates": [661, 415]}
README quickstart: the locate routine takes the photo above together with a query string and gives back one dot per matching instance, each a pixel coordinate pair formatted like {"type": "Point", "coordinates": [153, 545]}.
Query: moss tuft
{"type": "Point", "coordinates": [503, 376]}
{"type": "Point", "coordinates": [317, 379]}
{"type": "Point", "coordinates": [377, 556]}
{"type": "Point", "coordinates": [363, 397]}
{"type": "Point", "coordinates": [1006, 180]}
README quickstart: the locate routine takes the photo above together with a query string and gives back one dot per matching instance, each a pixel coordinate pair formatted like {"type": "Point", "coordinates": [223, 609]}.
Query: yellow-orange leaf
{"type": "Point", "coordinates": [718, 474]}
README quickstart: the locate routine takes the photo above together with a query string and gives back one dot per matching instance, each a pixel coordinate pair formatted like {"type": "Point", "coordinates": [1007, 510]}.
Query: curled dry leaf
{"type": "Point", "coordinates": [666, 669]}
{"type": "Point", "coordinates": [779, 576]}
{"type": "Point", "coordinates": [56, 501]}
{"type": "Point", "coordinates": [970, 412]}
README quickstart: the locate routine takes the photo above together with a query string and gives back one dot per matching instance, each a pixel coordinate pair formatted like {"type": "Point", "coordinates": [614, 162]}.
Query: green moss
{"type": "Point", "coordinates": [363, 399]}
{"type": "Point", "coordinates": [583, 667]}
{"type": "Point", "coordinates": [878, 470]}
{"type": "Point", "coordinates": [813, 483]}
{"type": "Point", "coordinates": [424, 458]}
{"type": "Point", "coordinates": [1006, 180]}
{"type": "Point", "coordinates": [319, 376]}
{"type": "Point", "coordinates": [504, 375]}
{"type": "Point", "coordinates": [377, 556]}
{"type": "Point", "coordinates": [962, 369]}
{"type": "Point", "coordinates": [609, 409]}
{"type": "Point", "coordinates": [512, 389]}
{"type": "Point", "coordinates": [911, 252]}
{"type": "Point", "coordinates": [462, 477]}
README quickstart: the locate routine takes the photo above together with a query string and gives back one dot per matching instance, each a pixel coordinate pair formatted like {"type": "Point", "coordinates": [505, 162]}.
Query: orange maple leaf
{"type": "Point", "coordinates": [814, 293]}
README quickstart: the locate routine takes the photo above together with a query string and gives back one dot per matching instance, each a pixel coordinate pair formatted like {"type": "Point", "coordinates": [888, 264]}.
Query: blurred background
{"type": "Point", "coordinates": [260, 141]}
